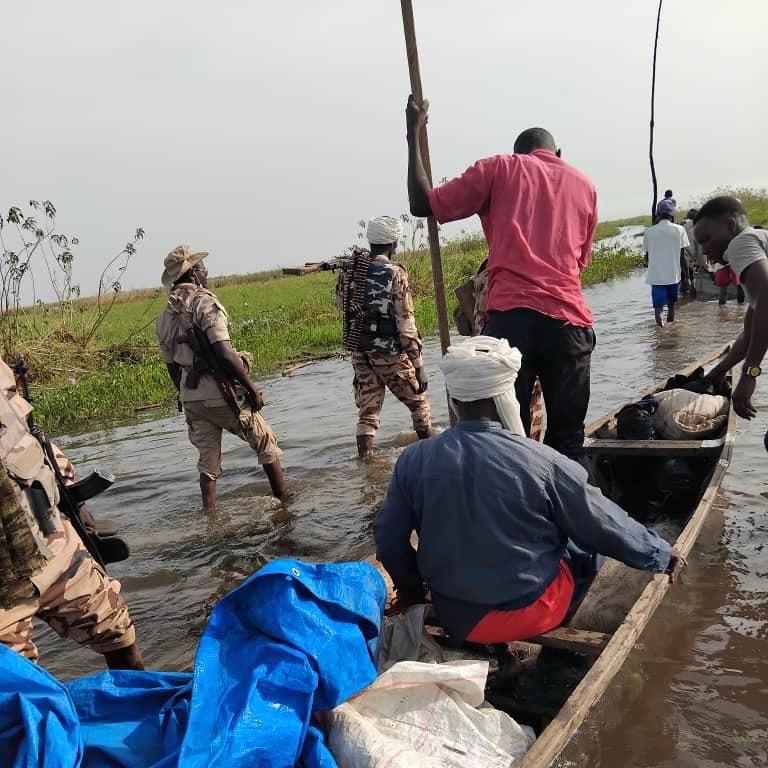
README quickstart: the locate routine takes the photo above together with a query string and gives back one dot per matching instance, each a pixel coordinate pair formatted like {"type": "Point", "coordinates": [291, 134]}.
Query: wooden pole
{"type": "Point", "coordinates": [653, 113]}
{"type": "Point", "coordinates": [434, 240]}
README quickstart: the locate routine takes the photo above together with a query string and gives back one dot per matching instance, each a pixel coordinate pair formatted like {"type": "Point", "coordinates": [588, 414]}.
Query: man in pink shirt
{"type": "Point", "coordinates": [539, 216]}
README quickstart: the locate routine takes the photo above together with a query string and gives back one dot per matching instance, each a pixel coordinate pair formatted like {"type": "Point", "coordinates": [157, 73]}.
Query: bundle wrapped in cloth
{"type": "Point", "coordinates": [484, 368]}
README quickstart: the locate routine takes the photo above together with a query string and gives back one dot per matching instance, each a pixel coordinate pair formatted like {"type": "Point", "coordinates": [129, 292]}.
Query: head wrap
{"type": "Point", "coordinates": [384, 230]}
{"type": "Point", "coordinates": [484, 368]}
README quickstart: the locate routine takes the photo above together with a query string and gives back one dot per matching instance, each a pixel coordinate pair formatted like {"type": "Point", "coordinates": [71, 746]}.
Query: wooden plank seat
{"type": "Point", "coordinates": [595, 446]}
{"type": "Point", "coordinates": [580, 641]}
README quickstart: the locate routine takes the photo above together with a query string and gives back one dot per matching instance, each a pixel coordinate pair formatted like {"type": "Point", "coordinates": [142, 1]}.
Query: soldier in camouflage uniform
{"type": "Point", "coordinates": [45, 570]}
{"type": "Point", "coordinates": [380, 331]}
{"type": "Point", "coordinates": [207, 408]}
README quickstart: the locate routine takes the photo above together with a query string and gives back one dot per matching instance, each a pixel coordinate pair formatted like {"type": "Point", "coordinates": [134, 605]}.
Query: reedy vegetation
{"type": "Point", "coordinates": [110, 366]}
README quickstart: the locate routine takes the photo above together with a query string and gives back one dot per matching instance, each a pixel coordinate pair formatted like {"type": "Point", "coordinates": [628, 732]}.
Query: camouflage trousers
{"type": "Point", "coordinates": [374, 374]}
{"type": "Point", "coordinates": [75, 597]}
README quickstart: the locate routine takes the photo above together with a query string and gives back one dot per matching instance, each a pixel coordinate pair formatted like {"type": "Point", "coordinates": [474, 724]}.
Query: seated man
{"type": "Point", "coordinates": [495, 513]}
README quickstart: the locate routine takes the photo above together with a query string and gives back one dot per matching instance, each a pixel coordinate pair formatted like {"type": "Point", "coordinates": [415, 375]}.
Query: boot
{"type": "Point", "coordinates": [365, 446]}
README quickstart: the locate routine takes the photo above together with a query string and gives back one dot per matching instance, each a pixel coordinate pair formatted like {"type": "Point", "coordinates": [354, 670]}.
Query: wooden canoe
{"type": "Point", "coordinates": [591, 649]}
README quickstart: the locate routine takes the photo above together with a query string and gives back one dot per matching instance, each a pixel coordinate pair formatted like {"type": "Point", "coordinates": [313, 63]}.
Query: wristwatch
{"type": "Point", "coordinates": [752, 370]}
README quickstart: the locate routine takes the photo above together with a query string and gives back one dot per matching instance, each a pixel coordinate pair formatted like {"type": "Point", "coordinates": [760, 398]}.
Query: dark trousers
{"type": "Point", "coordinates": [560, 355]}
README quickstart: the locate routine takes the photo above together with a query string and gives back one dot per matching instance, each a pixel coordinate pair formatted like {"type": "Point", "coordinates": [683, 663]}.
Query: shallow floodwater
{"type": "Point", "coordinates": [695, 693]}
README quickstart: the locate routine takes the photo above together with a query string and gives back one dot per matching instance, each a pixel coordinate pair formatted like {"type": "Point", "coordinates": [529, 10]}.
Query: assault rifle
{"type": "Point", "coordinates": [207, 361]}
{"type": "Point", "coordinates": [71, 497]}
{"type": "Point", "coordinates": [340, 262]}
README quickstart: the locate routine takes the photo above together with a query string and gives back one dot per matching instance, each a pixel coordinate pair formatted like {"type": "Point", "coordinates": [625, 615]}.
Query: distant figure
{"type": "Point", "coordinates": [694, 252]}
{"type": "Point", "coordinates": [539, 216]}
{"type": "Point", "coordinates": [663, 244]}
{"type": "Point", "coordinates": [379, 329]}
{"type": "Point", "coordinates": [723, 277]}
{"type": "Point", "coordinates": [723, 230]}
{"type": "Point", "coordinates": [210, 376]}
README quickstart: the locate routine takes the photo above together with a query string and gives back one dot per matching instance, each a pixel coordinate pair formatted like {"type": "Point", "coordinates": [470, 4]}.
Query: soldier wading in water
{"type": "Point", "coordinates": [379, 330]}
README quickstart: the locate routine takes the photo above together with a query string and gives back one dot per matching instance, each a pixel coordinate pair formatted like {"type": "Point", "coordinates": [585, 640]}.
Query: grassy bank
{"type": "Point", "coordinates": [278, 319]}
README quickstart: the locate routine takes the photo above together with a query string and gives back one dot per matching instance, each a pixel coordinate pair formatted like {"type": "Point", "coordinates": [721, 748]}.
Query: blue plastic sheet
{"type": "Point", "coordinates": [292, 639]}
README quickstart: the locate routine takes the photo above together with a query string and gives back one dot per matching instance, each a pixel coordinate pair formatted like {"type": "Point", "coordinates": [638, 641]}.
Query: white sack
{"type": "Point", "coordinates": [419, 715]}
{"type": "Point", "coordinates": [684, 415]}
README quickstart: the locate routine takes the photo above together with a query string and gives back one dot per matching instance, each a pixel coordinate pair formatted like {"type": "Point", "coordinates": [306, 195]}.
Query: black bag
{"type": "Point", "coordinates": [635, 421]}
{"type": "Point", "coordinates": [699, 384]}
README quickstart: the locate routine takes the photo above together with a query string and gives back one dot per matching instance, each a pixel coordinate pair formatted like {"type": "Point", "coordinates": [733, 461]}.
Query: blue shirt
{"type": "Point", "coordinates": [494, 513]}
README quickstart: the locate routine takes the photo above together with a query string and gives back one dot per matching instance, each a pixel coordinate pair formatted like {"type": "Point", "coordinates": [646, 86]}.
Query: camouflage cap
{"type": "Point", "coordinates": [178, 261]}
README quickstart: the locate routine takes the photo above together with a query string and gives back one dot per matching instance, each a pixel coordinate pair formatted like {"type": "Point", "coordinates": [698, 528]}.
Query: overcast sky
{"type": "Point", "coordinates": [262, 132]}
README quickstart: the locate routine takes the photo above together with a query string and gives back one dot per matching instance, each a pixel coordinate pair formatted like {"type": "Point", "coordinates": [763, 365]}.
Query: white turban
{"type": "Point", "coordinates": [484, 368]}
{"type": "Point", "coordinates": [384, 230]}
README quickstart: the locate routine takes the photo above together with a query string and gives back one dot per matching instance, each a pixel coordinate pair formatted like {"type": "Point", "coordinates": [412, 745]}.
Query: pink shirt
{"type": "Point", "coordinates": [539, 216]}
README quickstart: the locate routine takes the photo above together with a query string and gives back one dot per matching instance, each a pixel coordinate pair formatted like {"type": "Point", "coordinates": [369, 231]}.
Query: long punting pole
{"type": "Point", "coordinates": [653, 113]}
{"type": "Point", "coordinates": [434, 241]}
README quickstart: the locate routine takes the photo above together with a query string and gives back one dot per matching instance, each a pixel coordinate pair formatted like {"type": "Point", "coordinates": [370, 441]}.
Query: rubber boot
{"type": "Point", "coordinates": [274, 473]}
{"type": "Point", "coordinates": [365, 446]}
{"type": "Point", "coordinates": [208, 491]}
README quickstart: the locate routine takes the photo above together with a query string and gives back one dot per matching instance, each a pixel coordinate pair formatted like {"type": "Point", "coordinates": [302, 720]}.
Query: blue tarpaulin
{"type": "Point", "coordinates": [292, 639]}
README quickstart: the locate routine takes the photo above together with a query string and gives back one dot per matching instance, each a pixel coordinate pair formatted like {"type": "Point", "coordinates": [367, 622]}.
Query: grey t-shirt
{"type": "Point", "coordinates": [746, 248]}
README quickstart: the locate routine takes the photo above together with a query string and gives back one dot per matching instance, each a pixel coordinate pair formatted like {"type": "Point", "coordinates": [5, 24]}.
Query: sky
{"type": "Point", "coordinates": [262, 132]}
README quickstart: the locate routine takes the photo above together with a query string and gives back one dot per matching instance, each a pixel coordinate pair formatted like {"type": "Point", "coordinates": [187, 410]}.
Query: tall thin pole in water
{"type": "Point", "coordinates": [434, 240]}
{"type": "Point", "coordinates": [653, 113]}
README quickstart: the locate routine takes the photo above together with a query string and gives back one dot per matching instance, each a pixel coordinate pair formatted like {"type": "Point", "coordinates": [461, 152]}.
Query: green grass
{"type": "Point", "coordinates": [278, 319]}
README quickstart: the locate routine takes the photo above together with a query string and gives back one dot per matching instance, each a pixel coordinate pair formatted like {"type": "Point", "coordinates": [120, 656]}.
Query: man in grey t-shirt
{"type": "Point", "coordinates": [723, 231]}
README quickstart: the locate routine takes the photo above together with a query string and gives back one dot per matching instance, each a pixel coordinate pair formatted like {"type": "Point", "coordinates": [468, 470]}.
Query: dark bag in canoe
{"type": "Point", "coordinates": [699, 384]}
{"type": "Point", "coordinates": [635, 421]}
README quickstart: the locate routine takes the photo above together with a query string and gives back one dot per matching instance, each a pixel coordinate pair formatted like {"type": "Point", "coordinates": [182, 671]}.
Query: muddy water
{"type": "Point", "coordinates": [695, 695]}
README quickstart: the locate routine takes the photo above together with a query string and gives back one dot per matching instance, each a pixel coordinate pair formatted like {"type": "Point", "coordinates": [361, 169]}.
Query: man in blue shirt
{"type": "Point", "coordinates": [495, 512]}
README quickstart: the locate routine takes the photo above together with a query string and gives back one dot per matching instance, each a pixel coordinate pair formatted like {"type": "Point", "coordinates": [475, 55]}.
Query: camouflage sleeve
{"type": "Point", "coordinates": [405, 319]}
{"type": "Point", "coordinates": [211, 316]}
{"type": "Point", "coordinates": [164, 330]}
{"type": "Point", "coordinates": [66, 467]}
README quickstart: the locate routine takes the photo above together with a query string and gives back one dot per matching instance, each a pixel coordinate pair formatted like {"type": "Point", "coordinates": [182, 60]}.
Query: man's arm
{"type": "Point", "coordinates": [755, 280]}
{"type": "Point", "coordinates": [586, 251]}
{"type": "Point", "coordinates": [233, 364]}
{"type": "Point", "coordinates": [596, 524]}
{"type": "Point", "coordinates": [418, 182]}
{"type": "Point", "coordinates": [392, 528]}
{"type": "Point", "coordinates": [406, 325]}
{"type": "Point", "coordinates": [174, 371]}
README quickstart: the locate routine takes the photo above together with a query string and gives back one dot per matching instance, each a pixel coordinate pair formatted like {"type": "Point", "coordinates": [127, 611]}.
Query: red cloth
{"type": "Point", "coordinates": [540, 616]}
{"type": "Point", "coordinates": [539, 216]}
{"type": "Point", "coordinates": [725, 276]}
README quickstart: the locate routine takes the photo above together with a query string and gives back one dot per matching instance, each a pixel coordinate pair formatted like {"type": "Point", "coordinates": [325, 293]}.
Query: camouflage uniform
{"type": "Point", "coordinates": [65, 587]}
{"type": "Point", "coordinates": [205, 408]}
{"type": "Point", "coordinates": [388, 350]}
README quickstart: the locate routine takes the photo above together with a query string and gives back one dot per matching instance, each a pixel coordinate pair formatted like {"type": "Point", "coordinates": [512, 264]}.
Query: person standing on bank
{"type": "Point", "coordinates": [539, 216]}
{"type": "Point", "coordinates": [379, 329]}
{"type": "Point", "coordinates": [664, 245]}
{"type": "Point", "coordinates": [210, 376]}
